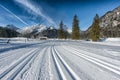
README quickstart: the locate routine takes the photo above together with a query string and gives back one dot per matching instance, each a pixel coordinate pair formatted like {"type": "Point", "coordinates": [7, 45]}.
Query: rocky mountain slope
{"type": "Point", "coordinates": [38, 30]}
{"type": "Point", "coordinates": [109, 23]}
{"type": "Point", "coordinates": [111, 18]}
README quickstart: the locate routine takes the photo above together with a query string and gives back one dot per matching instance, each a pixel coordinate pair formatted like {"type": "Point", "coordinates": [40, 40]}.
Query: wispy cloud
{"type": "Point", "coordinates": [13, 14]}
{"type": "Point", "coordinates": [37, 10]}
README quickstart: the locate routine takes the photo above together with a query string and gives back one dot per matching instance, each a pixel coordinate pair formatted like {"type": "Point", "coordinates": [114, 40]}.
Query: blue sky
{"type": "Point", "coordinates": [22, 13]}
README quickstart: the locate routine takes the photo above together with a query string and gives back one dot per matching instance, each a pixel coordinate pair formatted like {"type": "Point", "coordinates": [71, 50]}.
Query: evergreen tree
{"type": "Point", "coordinates": [61, 31]}
{"type": "Point", "coordinates": [75, 29]}
{"type": "Point", "coordinates": [3, 32]}
{"type": "Point", "coordinates": [65, 32]}
{"type": "Point", "coordinates": [95, 29]}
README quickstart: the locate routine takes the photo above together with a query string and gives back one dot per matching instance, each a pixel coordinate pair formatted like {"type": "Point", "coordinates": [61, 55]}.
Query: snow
{"type": "Point", "coordinates": [76, 77]}
{"type": "Point", "coordinates": [92, 59]}
{"type": "Point", "coordinates": [36, 27]}
{"type": "Point", "coordinates": [69, 30]}
{"type": "Point", "coordinates": [113, 39]}
{"type": "Point", "coordinates": [59, 68]}
{"type": "Point", "coordinates": [107, 41]}
{"type": "Point", "coordinates": [59, 60]}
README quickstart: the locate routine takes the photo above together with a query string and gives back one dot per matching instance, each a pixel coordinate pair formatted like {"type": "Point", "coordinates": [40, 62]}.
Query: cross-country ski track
{"type": "Point", "coordinates": [60, 60]}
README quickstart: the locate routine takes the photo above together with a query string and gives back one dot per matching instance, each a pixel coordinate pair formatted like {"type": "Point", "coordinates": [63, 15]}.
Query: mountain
{"type": "Point", "coordinates": [111, 18]}
{"type": "Point", "coordinates": [109, 23]}
{"type": "Point", "coordinates": [34, 29]}
{"type": "Point", "coordinates": [39, 30]}
{"type": "Point", "coordinates": [49, 32]}
{"type": "Point", "coordinates": [52, 32]}
{"type": "Point", "coordinates": [12, 27]}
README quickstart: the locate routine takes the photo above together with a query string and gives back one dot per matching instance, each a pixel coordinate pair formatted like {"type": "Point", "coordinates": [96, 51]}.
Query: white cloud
{"type": "Point", "coordinates": [37, 10]}
{"type": "Point", "coordinates": [13, 14]}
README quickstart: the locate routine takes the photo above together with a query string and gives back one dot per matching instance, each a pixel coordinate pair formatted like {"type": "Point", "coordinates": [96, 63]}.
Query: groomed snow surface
{"type": "Point", "coordinates": [29, 59]}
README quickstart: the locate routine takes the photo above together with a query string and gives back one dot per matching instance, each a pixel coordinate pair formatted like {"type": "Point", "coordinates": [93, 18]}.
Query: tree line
{"type": "Point", "coordinates": [5, 32]}
{"type": "Point", "coordinates": [94, 34]}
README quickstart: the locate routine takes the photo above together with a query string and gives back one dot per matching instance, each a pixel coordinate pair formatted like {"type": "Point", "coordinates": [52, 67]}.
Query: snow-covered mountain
{"type": "Point", "coordinates": [109, 23]}
{"type": "Point", "coordinates": [34, 29]}
{"type": "Point", "coordinates": [111, 18]}
{"type": "Point", "coordinates": [12, 27]}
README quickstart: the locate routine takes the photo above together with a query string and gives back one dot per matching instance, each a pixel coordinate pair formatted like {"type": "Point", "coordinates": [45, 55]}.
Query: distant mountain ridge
{"type": "Point", "coordinates": [39, 30]}
{"type": "Point", "coordinates": [12, 27]}
{"type": "Point", "coordinates": [34, 31]}
{"type": "Point", "coordinates": [34, 28]}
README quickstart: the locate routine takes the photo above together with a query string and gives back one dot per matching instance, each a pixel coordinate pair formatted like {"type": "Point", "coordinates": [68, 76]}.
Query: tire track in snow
{"type": "Point", "coordinates": [16, 64]}
{"type": "Point", "coordinates": [69, 70]}
{"type": "Point", "coordinates": [98, 62]}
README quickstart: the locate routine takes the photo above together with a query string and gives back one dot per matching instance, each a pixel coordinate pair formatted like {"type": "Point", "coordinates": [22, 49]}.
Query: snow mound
{"type": "Point", "coordinates": [113, 39]}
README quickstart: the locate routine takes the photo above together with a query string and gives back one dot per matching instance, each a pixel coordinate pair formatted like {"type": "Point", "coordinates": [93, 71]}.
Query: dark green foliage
{"type": "Point", "coordinates": [75, 29]}
{"type": "Point", "coordinates": [62, 32]}
{"type": "Point", "coordinates": [66, 34]}
{"type": "Point", "coordinates": [5, 32]}
{"type": "Point", "coordinates": [95, 29]}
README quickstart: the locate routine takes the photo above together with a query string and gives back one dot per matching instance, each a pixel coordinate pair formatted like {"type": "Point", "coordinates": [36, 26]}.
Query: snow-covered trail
{"type": "Point", "coordinates": [61, 60]}
{"type": "Point", "coordinates": [108, 68]}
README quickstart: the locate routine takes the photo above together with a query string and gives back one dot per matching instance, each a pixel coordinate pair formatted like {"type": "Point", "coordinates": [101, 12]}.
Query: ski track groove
{"type": "Point", "coordinates": [39, 60]}
{"type": "Point", "coordinates": [57, 65]}
{"type": "Point", "coordinates": [28, 57]}
{"type": "Point", "coordinates": [98, 60]}
{"type": "Point", "coordinates": [21, 67]}
{"type": "Point", "coordinates": [69, 70]}
{"type": "Point", "coordinates": [30, 61]}
{"type": "Point", "coordinates": [101, 63]}
{"type": "Point", "coordinates": [43, 70]}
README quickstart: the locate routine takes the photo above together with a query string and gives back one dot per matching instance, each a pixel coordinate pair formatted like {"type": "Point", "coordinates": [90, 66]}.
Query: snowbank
{"type": "Point", "coordinates": [113, 39]}
{"type": "Point", "coordinates": [107, 41]}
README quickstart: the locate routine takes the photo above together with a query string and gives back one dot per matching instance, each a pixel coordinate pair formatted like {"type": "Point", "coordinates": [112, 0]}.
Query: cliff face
{"type": "Point", "coordinates": [109, 23]}
{"type": "Point", "coordinates": [111, 18]}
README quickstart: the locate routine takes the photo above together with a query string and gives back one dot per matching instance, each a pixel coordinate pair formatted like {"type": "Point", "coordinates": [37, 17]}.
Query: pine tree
{"type": "Point", "coordinates": [95, 29]}
{"type": "Point", "coordinates": [61, 31]}
{"type": "Point", "coordinates": [75, 29]}
{"type": "Point", "coordinates": [65, 32]}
